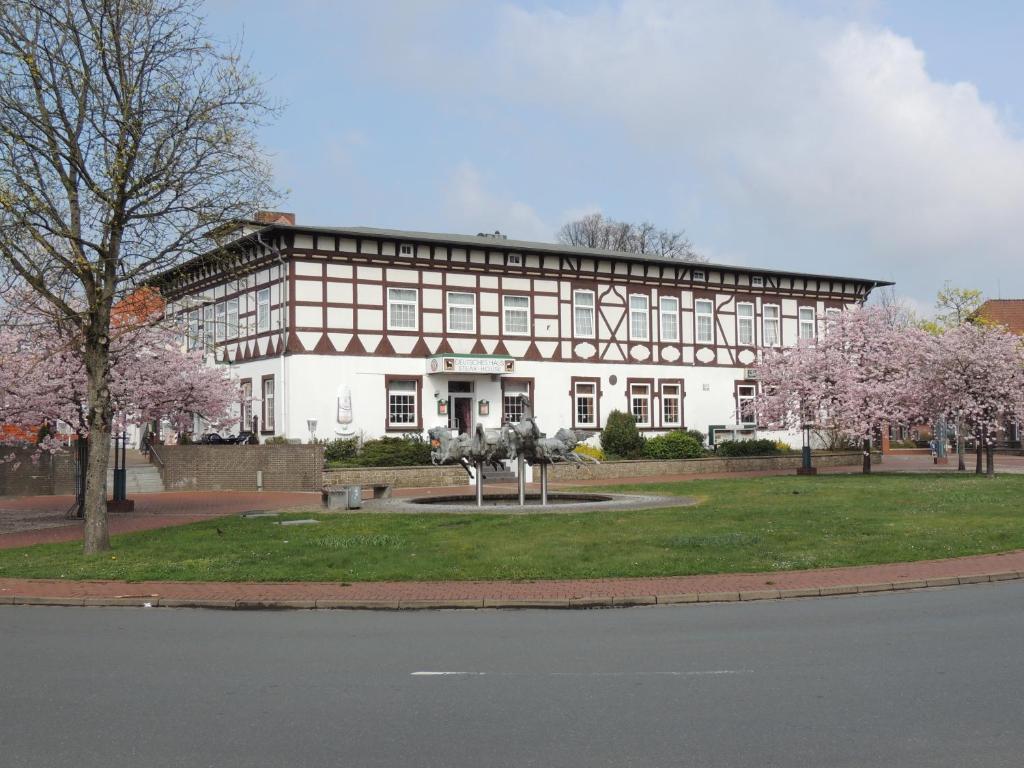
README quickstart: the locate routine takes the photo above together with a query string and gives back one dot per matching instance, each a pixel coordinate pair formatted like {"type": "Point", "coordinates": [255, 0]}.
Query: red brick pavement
{"type": "Point", "coordinates": [562, 593]}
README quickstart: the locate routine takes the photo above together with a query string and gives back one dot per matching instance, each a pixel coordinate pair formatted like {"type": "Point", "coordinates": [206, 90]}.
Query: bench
{"type": "Point", "coordinates": [336, 496]}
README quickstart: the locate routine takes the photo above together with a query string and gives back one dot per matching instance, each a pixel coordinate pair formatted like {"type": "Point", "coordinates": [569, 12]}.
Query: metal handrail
{"type": "Point", "coordinates": [152, 452]}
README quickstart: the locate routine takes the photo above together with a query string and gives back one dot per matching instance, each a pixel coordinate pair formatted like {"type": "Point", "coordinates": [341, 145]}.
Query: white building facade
{"type": "Point", "coordinates": [372, 332]}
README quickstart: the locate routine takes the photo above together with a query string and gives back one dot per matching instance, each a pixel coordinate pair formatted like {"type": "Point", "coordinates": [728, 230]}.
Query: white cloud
{"type": "Point", "coordinates": [469, 207]}
{"type": "Point", "coordinates": [826, 142]}
{"type": "Point", "coordinates": [836, 125]}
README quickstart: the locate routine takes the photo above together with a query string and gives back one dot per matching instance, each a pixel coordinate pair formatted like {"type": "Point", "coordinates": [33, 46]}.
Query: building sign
{"type": "Point", "coordinates": [485, 364]}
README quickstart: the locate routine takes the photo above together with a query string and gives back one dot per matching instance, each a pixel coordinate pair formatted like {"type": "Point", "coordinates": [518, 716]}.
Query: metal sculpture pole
{"type": "Point", "coordinates": [544, 484]}
{"type": "Point", "coordinates": [521, 465]}
{"type": "Point", "coordinates": [479, 483]}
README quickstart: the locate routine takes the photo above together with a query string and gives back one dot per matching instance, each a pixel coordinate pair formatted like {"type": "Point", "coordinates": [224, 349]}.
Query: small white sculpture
{"type": "Point", "coordinates": [344, 428]}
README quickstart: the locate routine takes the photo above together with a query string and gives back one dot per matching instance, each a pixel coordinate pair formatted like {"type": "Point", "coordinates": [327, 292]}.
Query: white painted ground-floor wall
{"type": "Point", "coordinates": [308, 388]}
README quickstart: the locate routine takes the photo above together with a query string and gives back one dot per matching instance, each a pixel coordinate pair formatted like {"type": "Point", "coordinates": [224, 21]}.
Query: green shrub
{"type": "Point", "coordinates": [276, 440]}
{"type": "Point", "coordinates": [748, 448]}
{"type": "Point", "coordinates": [341, 449]}
{"type": "Point", "coordinates": [673, 445]}
{"type": "Point", "coordinates": [392, 452]}
{"type": "Point", "coordinates": [697, 435]}
{"type": "Point", "coordinates": [620, 438]}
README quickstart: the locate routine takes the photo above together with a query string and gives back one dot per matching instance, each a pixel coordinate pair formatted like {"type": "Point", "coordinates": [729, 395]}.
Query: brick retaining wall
{"type": "Point", "coordinates": [234, 467]}
{"type": "Point", "coordinates": [646, 468]}
{"type": "Point", "coordinates": [399, 477]}
{"type": "Point", "coordinates": [50, 475]}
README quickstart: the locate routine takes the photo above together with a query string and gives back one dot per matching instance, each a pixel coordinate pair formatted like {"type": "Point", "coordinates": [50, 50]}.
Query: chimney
{"type": "Point", "coordinates": [274, 217]}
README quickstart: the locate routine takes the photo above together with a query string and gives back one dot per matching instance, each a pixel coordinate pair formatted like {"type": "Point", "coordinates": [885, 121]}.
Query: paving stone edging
{"type": "Point", "coordinates": [577, 603]}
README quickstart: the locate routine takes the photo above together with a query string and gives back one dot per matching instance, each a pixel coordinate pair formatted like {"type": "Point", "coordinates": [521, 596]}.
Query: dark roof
{"type": "Point", "coordinates": [496, 243]}
{"type": "Point", "coordinates": [1008, 312]}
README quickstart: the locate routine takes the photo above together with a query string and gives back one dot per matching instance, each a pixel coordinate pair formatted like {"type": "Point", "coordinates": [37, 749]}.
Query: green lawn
{"type": "Point", "coordinates": [760, 524]}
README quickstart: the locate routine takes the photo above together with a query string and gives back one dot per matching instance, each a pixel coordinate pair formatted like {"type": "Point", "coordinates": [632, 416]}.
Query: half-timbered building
{"type": "Point", "coordinates": [376, 332]}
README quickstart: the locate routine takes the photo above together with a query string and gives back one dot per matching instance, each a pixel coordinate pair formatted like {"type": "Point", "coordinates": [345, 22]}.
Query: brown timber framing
{"type": "Point", "coordinates": [605, 275]}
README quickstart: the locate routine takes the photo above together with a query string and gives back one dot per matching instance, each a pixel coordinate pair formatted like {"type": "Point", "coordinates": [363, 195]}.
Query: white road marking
{"type": "Point", "coordinates": [684, 673]}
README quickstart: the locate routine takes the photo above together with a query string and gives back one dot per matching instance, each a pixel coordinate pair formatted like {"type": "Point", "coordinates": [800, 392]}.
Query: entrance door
{"type": "Point", "coordinates": [460, 410]}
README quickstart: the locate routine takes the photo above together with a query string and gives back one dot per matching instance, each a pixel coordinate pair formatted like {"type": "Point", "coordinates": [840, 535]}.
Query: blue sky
{"type": "Point", "coordinates": [866, 138]}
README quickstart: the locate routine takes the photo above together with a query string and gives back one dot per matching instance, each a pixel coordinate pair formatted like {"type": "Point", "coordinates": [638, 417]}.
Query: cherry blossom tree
{"type": "Point", "coordinates": [43, 378]}
{"type": "Point", "coordinates": [974, 375]}
{"type": "Point", "coordinates": [854, 379]}
{"type": "Point", "coordinates": [127, 140]}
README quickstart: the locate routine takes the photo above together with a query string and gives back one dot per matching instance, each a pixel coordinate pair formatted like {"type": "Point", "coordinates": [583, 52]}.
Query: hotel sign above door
{"type": "Point", "coordinates": [485, 364]}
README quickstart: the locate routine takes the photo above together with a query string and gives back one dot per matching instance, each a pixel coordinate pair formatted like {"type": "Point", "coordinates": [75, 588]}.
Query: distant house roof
{"type": "Point", "coordinates": [1008, 312]}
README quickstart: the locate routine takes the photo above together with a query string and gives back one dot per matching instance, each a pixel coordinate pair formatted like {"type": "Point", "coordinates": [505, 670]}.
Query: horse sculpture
{"type": "Point", "coordinates": [485, 446]}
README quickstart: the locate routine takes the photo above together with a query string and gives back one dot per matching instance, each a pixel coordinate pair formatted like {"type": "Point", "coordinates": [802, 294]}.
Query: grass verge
{"type": "Point", "coordinates": [757, 524]}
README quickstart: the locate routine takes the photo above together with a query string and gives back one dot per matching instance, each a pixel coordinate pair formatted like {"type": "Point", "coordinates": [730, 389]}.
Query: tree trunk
{"type": "Point", "coordinates": [990, 460]}
{"type": "Point", "coordinates": [979, 440]}
{"type": "Point", "coordinates": [97, 360]}
{"type": "Point", "coordinates": [961, 466]}
{"type": "Point", "coordinates": [867, 457]}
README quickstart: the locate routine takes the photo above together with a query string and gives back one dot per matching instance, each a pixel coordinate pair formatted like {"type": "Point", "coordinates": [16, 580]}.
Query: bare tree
{"type": "Point", "coordinates": [126, 134]}
{"type": "Point", "coordinates": [897, 311]}
{"type": "Point", "coordinates": [596, 231]}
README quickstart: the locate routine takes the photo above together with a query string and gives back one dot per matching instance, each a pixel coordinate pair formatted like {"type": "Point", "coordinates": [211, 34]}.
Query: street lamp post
{"type": "Point", "coordinates": [805, 467]}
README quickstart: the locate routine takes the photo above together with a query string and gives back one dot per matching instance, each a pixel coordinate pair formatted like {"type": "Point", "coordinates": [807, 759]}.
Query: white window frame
{"type": "Point", "coordinates": [709, 315]}
{"type": "Point", "coordinates": [803, 322]}
{"type": "Point", "coordinates": [757, 281]}
{"type": "Point", "coordinates": [414, 303]}
{"type": "Point", "coordinates": [505, 310]}
{"type": "Point", "coordinates": [515, 259]}
{"type": "Point", "coordinates": [831, 315]}
{"type": "Point", "coordinates": [231, 327]}
{"type": "Point", "coordinates": [269, 402]}
{"type": "Point", "coordinates": [644, 315]}
{"type": "Point", "coordinates": [263, 310]}
{"type": "Point", "coordinates": [511, 392]}
{"type": "Point", "coordinates": [745, 322]}
{"type": "Point", "coordinates": [697, 274]}
{"type": "Point", "coordinates": [245, 405]}
{"type": "Point", "coordinates": [646, 387]}
{"type": "Point", "coordinates": [209, 326]}
{"type": "Point", "coordinates": [406, 249]}
{"type": "Point", "coordinates": [471, 307]}
{"type": "Point", "coordinates": [766, 337]}
{"type": "Point", "coordinates": [220, 322]}
{"type": "Point", "coordinates": [592, 396]}
{"type": "Point", "coordinates": [741, 398]}
{"type": "Point", "coordinates": [666, 398]}
{"type": "Point", "coordinates": [402, 391]}
{"type": "Point", "coordinates": [665, 314]}
{"type": "Point", "coordinates": [592, 308]}
{"type": "Point", "coordinates": [194, 322]}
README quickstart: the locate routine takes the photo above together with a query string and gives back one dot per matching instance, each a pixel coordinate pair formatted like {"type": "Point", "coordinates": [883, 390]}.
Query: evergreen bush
{"type": "Point", "coordinates": [620, 439]}
{"type": "Point", "coordinates": [673, 445]}
{"type": "Point", "coordinates": [748, 448]}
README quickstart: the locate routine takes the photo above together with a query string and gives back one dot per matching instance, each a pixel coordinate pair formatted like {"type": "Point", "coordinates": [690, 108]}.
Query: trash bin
{"type": "Point", "coordinates": [354, 497]}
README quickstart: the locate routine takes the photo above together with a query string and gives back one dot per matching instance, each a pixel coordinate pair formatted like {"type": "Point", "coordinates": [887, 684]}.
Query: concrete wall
{"type": "Point", "coordinates": [626, 470]}
{"type": "Point", "coordinates": [399, 477]}
{"type": "Point", "coordinates": [234, 467]}
{"type": "Point", "coordinates": [48, 475]}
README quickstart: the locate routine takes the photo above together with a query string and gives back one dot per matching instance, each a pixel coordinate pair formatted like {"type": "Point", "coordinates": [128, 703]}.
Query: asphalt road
{"type": "Point", "coordinates": [929, 678]}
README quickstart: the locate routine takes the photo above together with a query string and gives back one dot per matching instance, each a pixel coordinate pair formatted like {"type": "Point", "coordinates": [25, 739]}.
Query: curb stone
{"type": "Point", "coordinates": [477, 603]}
